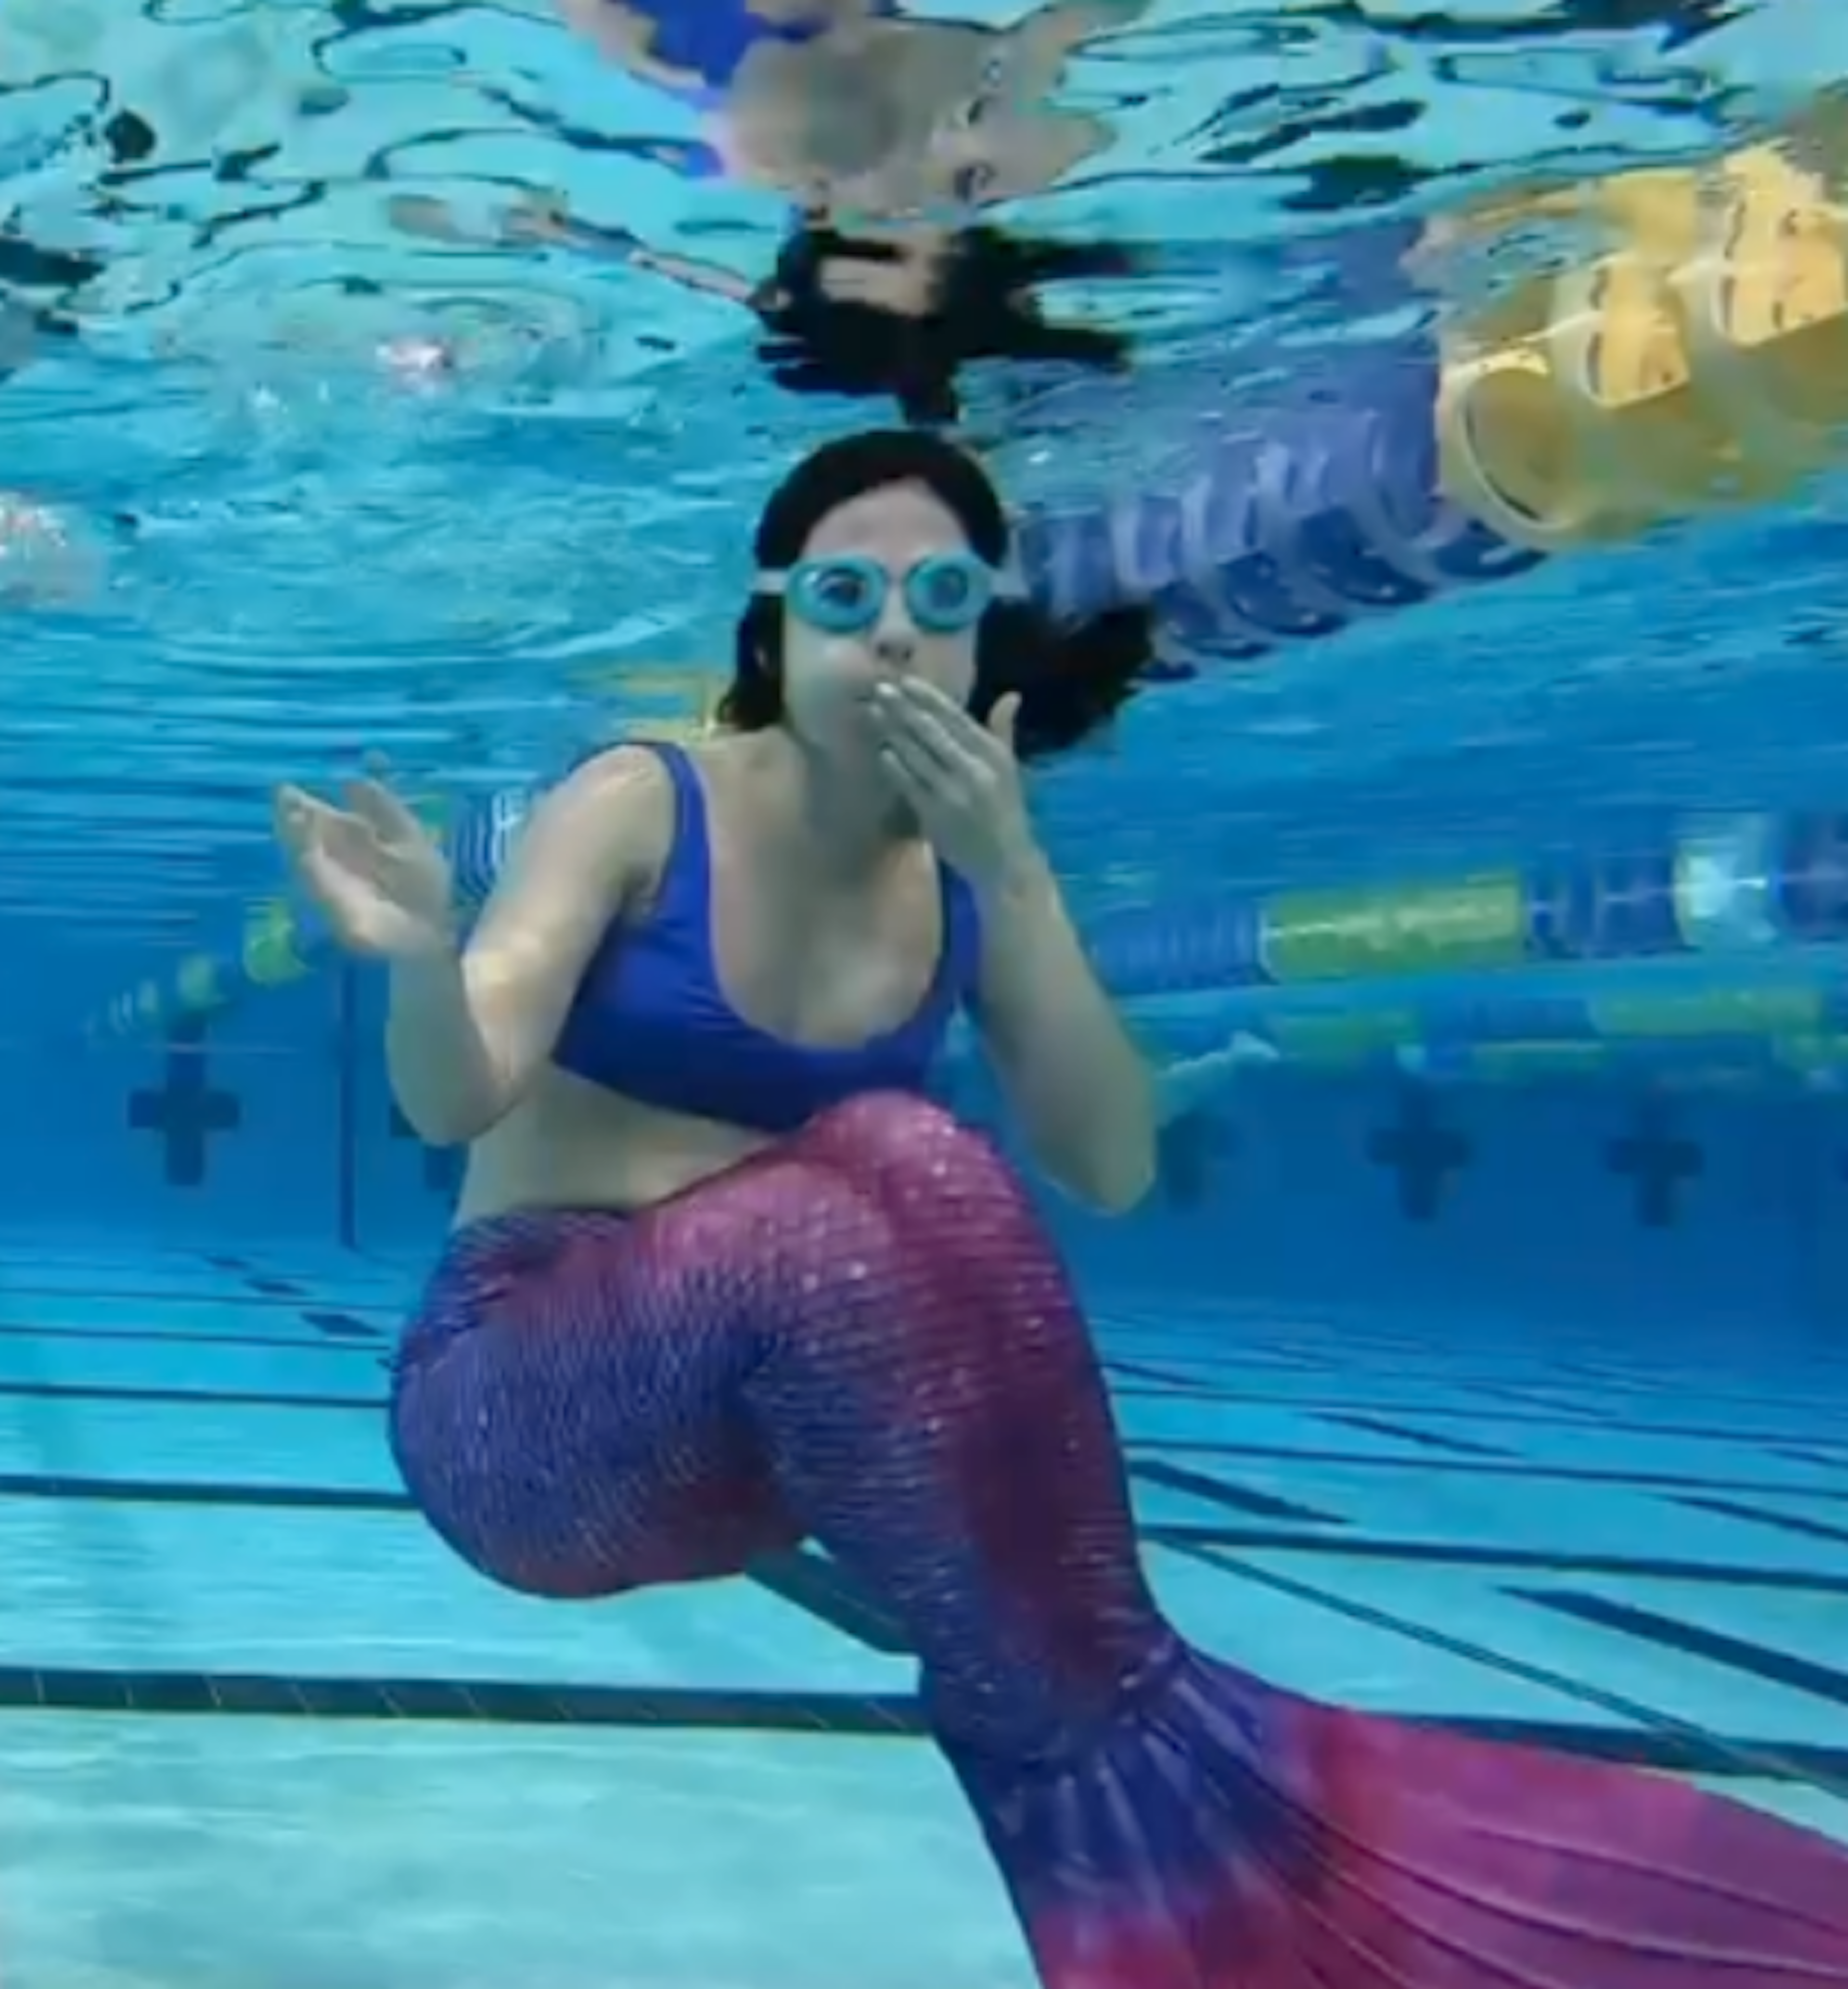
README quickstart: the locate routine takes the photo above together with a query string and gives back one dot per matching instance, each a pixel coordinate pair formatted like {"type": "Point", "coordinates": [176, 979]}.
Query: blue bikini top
{"type": "Point", "coordinates": [710, 39]}
{"type": "Point", "coordinates": [649, 1019]}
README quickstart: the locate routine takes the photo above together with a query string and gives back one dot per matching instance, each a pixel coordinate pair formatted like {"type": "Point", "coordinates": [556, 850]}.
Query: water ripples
{"type": "Point", "coordinates": [328, 481]}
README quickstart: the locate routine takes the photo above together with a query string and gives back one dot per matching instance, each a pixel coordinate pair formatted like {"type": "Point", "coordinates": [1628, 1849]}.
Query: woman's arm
{"type": "Point", "coordinates": [468, 1031]}
{"type": "Point", "coordinates": [1183, 1089]}
{"type": "Point", "coordinates": [1078, 1084]}
{"type": "Point", "coordinates": [626, 36]}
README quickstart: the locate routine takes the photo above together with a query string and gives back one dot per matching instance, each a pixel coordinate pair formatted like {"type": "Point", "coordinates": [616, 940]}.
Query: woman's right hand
{"type": "Point", "coordinates": [373, 868]}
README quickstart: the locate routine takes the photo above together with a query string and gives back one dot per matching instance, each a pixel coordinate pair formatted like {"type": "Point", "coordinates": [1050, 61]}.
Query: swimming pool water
{"type": "Point", "coordinates": [1540, 1435]}
{"type": "Point", "coordinates": [257, 1725]}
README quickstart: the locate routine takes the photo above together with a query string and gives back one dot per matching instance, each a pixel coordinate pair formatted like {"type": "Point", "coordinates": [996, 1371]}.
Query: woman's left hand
{"type": "Point", "coordinates": [960, 778]}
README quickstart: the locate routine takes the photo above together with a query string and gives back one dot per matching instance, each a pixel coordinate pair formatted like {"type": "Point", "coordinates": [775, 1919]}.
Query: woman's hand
{"type": "Point", "coordinates": [959, 778]}
{"type": "Point", "coordinates": [373, 868]}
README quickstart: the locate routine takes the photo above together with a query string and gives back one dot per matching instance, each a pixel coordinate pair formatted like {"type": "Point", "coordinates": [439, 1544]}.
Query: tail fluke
{"type": "Point", "coordinates": [1225, 1835]}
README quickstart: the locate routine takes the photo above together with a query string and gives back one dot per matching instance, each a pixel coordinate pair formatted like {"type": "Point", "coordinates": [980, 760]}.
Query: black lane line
{"type": "Point", "coordinates": [479, 1701]}
{"type": "Point", "coordinates": [165, 1491]}
{"type": "Point", "coordinates": [1520, 1468]}
{"type": "Point", "coordinates": [217, 1398]}
{"type": "Point", "coordinates": [808, 1581]}
{"type": "Point", "coordinates": [1719, 1575]}
{"type": "Point", "coordinates": [1758, 1439]}
{"type": "Point", "coordinates": [1760, 1516]}
{"type": "Point", "coordinates": [868, 1716]}
{"type": "Point", "coordinates": [289, 1301]}
{"type": "Point", "coordinates": [802, 1584]}
{"type": "Point", "coordinates": [1456, 1446]}
{"type": "Point", "coordinates": [345, 1326]}
{"type": "Point", "coordinates": [1775, 1760]}
{"type": "Point", "coordinates": [1235, 1498]}
{"type": "Point", "coordinates": [1143, 1453]}
{"type": "Point", "coordinates": [1691, 1640]}
{"type": "Point", "coordinates": [140, 1336]}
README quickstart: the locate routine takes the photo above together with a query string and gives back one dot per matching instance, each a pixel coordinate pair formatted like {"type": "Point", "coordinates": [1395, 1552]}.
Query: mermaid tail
{"type": "Point", "coordinates": [1228, 1835]}
{"type": "Point", "coordinates": [862, 1335]}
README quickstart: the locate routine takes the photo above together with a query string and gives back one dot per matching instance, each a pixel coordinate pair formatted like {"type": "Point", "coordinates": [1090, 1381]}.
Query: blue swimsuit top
{"type": "Point", "coordinates": [649, 1019]}
{"type": "Point", "coordinates": [710, 39]}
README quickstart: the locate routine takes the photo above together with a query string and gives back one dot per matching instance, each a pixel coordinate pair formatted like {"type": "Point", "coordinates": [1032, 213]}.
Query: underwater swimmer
{"type": "Point", "coordinates": [889, 134]}
{"type": "Point", "coordinates": [723, 1280]}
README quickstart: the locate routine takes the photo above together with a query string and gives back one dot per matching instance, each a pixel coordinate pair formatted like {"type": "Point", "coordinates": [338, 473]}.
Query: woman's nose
{"type": "Point", "coordinates": [895, 635]}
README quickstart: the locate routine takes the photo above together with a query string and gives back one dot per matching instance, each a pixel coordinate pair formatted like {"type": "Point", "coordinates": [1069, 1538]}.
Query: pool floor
{"type": "Point", "coordinates": [259, 1731]}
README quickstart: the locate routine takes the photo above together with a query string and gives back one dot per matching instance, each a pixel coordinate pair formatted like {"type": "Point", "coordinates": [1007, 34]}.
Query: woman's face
{"type": "Point", "coordinates": [997, 133]}
{"type": "Point", "coordinates": [829, 678]}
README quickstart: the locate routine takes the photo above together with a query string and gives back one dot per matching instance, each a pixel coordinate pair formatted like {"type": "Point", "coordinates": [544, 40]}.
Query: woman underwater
{"type": "Point", "coordinates": [723, 1280]}
{"type": "Point", "coordinates": [890, 132]}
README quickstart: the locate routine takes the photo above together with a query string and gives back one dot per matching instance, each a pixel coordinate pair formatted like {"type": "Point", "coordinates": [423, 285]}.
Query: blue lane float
{"type": "Point", "coordinates": [1493, 975]}
{"type": "Point", "coordinates": [1324, 507]}
{"type": "Point", "coordinates": [1743, 885]}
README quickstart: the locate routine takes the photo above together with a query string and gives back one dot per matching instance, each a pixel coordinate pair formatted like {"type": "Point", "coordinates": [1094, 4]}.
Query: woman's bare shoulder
{"type": "Point", "coordinates": [617, 803]}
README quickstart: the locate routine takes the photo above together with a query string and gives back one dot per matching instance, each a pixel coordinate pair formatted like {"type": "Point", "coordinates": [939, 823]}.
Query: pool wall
{"type": "Point", "coordinates": [1595, 1198]}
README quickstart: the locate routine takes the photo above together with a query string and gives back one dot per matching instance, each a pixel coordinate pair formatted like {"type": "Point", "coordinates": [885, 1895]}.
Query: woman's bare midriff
{"type": "Point", "coordinates": [570, 1144]}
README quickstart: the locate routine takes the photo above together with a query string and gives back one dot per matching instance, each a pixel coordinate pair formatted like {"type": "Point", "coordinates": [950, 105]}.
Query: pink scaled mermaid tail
{"type": "Point", "coordinates": [1224, 1835]}
{"type": "Point", "coordinates": [862, 1336]}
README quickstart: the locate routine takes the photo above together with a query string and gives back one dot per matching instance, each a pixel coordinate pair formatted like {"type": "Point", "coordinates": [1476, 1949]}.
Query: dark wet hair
{"type": "Point", "coordinates": [1071, 677]}
{"type": "Point", "coordinates": [984, 308]}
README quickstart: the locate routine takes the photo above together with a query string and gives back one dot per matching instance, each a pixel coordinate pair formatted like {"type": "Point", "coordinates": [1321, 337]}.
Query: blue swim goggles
{"type": "Point", "coordinates": [844, 594]}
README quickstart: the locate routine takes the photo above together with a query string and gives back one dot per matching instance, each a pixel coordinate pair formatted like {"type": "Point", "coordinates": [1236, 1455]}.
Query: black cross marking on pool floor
{"type": "Point", "coordinates": [185, 1110]}
{"type": "Point", "coordinates": [441, 1165]}
{"type": "Point", "coordinates": [1422, 1153]}
{"type": "Point", "coordinates": [1658, 1160]}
